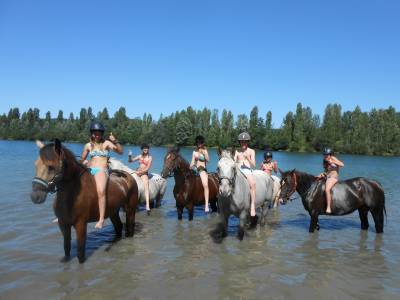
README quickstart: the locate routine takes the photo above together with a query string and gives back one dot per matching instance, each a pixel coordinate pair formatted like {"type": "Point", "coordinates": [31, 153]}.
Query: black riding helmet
{"type": "Point", "coordinates": [328, 151]}
{"type": "Point", "coordinates": [199, 140]}
{"type": "Point", "coordinates": [97, 126]}
{"type": "Point", "coordinates": [267, 154]}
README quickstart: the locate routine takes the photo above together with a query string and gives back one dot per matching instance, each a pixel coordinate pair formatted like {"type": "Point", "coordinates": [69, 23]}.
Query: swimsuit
{"type": "Point", "coordinates": [246, 170]}
{"type": "Point", "coordinates": [98, 153]}
{"type": "Point", "coordinates": [95, 170]}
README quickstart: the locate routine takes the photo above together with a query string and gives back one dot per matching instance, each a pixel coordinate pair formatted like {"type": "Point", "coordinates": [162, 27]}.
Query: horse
{"type": "Point", "coordinates": [188, 189]}
{"type": "Point", "coordinates": [76, 203]}
{"type": "Point", "coordinates": [234, 195]}
{"type": "Point", "coordinates": [157, 184]}
{"type": "Point", "coordinates": [359, 193]}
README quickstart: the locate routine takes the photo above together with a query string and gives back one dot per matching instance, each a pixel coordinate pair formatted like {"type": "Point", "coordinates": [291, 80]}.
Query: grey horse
{"type": "Point", "coordinates": [157, 184]}
{"type": "Point", "coordinates": [234, 195]}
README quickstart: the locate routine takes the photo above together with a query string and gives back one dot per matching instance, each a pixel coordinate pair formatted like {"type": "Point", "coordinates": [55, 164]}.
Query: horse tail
{"type": "Point", "coordinates": [379, 186]}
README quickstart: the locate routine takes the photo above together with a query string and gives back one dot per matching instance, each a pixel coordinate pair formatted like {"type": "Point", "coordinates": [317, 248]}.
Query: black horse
{"type": "Point", "coordinates": [360, 193]}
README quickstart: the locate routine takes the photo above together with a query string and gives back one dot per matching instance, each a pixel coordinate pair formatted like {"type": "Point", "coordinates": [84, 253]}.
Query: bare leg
{"type": "Point", "coordinates": [330, 182]}
{"type": "Point", "coordinates": [145, 180]}
{"type": "Point", "coordinates": [204, 181]}
{"type": "Point", "coordinates": [252, 185]}
{"type": "Point", "coordinates": [101, 182]}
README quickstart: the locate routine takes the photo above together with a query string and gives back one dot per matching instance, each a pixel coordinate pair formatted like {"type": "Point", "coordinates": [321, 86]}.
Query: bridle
{"type": "Point", "coordinates": [231, 180]}
{"type": "Point", "coordinates": [51, 186]}
{"type": "Point", "coordinates": [294, 186]}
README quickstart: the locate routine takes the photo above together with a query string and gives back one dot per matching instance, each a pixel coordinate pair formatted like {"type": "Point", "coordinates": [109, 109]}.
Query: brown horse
{"type": "Point", "coordinates": [188, 189]}
{"type": "Point", "coordinates": [76, 202]}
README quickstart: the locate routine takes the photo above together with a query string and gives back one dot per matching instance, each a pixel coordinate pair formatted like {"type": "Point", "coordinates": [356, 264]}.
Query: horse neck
{"type": "Point", "coordinates": [182, 170]}
{"type": "Point", "coordinates": [240, 180]}
{"type": "Point", "coordinates": [304, 182]}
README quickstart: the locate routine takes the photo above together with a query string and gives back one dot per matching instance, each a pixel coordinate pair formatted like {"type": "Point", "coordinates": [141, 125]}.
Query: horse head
{"type": "Point", "coordinates": [227, 171]}
{"type": "Point", "coordinates": [49, 170]}
{"type": "Point", "coordinates": [170, 163]}
{"type": "Point", "coordinates": [288, 184]}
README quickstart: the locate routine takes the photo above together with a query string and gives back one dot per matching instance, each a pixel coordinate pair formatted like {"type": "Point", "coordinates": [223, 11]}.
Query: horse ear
{"type": "Point", "coordinates": [57, 146]}
{"type": "Point", "coordinates": [39, 144]}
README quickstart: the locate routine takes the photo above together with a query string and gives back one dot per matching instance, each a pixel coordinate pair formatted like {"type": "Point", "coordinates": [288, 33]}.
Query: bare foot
{"type": "Point", "coordinates": [99, 224]}
{"type": "Point", "coordinates": [206, 209]}
{"type": "Point", "coordinates": [55, 220]}
{"type": "Point", "coordinates": [328, 211]}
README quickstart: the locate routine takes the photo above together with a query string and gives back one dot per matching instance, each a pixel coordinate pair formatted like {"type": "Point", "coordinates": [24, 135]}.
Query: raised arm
{"type": "Point", "coordinates": [85, 153]}
{"type": "Point", "coordinates": [206, 156]}
{"type": "Point", "coordinates": [114, 144]}
{"type": "Point", "coordinates": [135, 158]}
{"type": "Point", "coordinates": [337, 161]}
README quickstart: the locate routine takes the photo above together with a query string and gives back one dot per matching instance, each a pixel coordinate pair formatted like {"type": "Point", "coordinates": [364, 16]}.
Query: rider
{"type": "Point", "coordinates": [145, 160]}
{"type": "Point", "coordinates": [331, 165]}
{"type": "Point", "coordinates": [269, 165]}
{"type": "Point", "coordinates": [198, 165]}
{"type": "Point", "coordinates": [246, 157]}
{"type": "Point", "coordinates": [95, 155]}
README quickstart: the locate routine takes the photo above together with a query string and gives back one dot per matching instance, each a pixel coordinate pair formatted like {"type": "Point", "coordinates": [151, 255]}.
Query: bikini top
{"type": "Point", "coordinates": [268, 166]}
{"type": "Point", "coordinates": [144, 162]}
{"type": "Point", "coordinates": [330, 166]}
{"type": "Point", "coordinates": [200, 157]}
{"type": "Point", "coordinates": [99, 153]}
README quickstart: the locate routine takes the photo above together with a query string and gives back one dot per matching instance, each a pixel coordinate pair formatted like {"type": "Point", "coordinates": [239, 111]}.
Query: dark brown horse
{"type": "Point", "coordinates": [188, 189]}
{"type": "Point", "coordinates": [76, 202]}
{"type": "Point", "coordinates": [362, 194]}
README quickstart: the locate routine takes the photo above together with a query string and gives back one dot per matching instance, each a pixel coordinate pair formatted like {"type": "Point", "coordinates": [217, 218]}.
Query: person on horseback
{"type": "Point", "coordinates": [331, 165]}
{"type": "Point", "coordinates": [269, 166]}
{"type": "Point", "coordinates": [95, 155]}
{"type": "Point", "coordinates": [246, 158]}
{"type": "Point", "coordinates": [198, 164]}
{"type": "Point", "coordinates": [145, 160]}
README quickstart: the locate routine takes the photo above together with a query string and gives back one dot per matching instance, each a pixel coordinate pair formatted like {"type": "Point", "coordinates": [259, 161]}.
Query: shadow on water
{"type": "Point", "coordinates": [326, 224]}
{"type": "Point", "coordinates": [98, 238]}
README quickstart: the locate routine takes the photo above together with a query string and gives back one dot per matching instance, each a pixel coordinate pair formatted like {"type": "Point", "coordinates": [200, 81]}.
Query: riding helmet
{"type": "Point", "coordinates": [97, 126]}
{"type": "Point", "coordinates": [267, 154]}
{"type": "Point", "coordinates": [199, 139]}
{"type": "Point", "coordinates": [328, 151]}
{"type": "Point", "coordinates": [244, 136]}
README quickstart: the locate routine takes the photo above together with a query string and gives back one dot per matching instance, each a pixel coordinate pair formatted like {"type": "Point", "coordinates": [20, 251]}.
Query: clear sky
{"type": "Point", "coordinates": [161, 56]}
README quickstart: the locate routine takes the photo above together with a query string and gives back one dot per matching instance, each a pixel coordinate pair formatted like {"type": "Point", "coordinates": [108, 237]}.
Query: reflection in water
{"type": "Point", "coordinates": [171, 259]}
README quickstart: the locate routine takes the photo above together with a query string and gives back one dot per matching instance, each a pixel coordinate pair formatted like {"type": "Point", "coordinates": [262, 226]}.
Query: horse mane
{"type": "Point", "coordinates": [48, 153]}
{"type": "Point", "coordinates": [306, 180]}
{"type": "Point", "coordinates": [179, 157]}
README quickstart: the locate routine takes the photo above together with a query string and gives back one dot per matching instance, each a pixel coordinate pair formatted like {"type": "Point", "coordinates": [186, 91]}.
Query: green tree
{"type": "Point", "coordinates": [183, 131]}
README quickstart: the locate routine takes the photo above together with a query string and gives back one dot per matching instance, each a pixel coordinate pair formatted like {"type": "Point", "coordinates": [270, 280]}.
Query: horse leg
{"type": "Point", "coordinates": [66, 231]}
{"type": "Point", "coordinates": [242, 222]}
{"type": "Point", "coordinates": [314, 222]}
{"type": "Point", "coordinates": [179, 208]}
{"type": "Point", "coordinates": [158, 200]}
{"type": "Point", "coordinates": [213, 205]}
{"type": "Point", "coordinates": [190, 208]}
{"type": "Point", "coordinates": [116, 221]}
{"type": "Point", "coordinates": [363, 212]}
{"type": "Point", "coordinates": [80, 229]}
{"type": "Point", "coordinates": [377, 214]}
{"type": "Point", "coordinates": [264, 211]}
{"type": "Point", "coordinates": [130, 219]}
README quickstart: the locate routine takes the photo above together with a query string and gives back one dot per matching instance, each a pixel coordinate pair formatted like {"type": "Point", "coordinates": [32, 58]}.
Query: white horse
{"type": "Point", "coordinates": [157, 184]}
{"type": "Point", "coordinates": [234, 195]}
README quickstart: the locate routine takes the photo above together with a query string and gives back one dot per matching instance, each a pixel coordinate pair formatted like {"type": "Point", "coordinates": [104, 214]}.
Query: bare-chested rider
{"type": "Point", "coordinates": [246, 158]}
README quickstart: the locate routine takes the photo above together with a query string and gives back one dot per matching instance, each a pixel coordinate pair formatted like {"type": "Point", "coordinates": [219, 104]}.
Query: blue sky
{"type": "Point", "coordinates": [161, 56]}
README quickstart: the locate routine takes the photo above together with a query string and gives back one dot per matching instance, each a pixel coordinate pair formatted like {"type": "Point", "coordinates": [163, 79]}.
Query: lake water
{"type": "Point", "coordinates": [175, 259]}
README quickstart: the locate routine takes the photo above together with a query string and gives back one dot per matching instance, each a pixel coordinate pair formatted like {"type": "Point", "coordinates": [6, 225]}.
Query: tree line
{"type": "Point", "coordinates": [376, 132]}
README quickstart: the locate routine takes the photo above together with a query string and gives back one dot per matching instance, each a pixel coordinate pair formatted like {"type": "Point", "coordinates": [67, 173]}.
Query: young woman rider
{"type": "Point", "coordinates": [269, 166]}
{"type": "Point", "coordinates": [246, 157]}
{"type": "Point", "coordinates": [95, 155]}
{"type": "Point", "coordinates": [331, 166]}
{"type": "Point", "coordinates": [198, 164]}
{"type": "Point", "coordinates": [145, 160]}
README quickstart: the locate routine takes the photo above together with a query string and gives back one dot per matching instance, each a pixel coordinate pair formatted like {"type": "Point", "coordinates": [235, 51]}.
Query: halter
{"type": "Point", "coordinates": [294, 187]}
